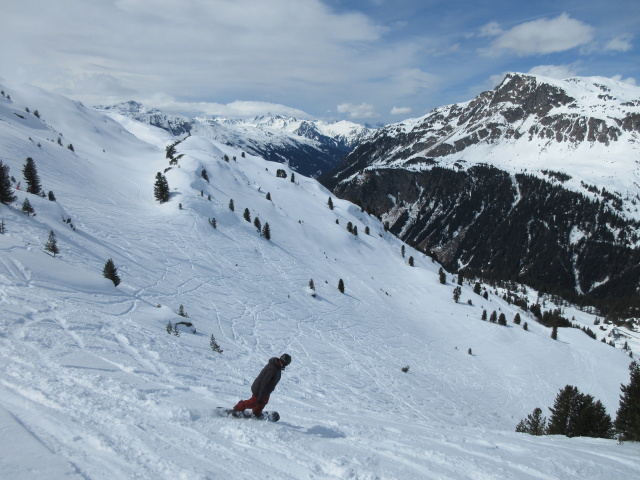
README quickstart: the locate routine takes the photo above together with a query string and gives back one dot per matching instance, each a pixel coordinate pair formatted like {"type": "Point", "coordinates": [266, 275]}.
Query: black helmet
{"type": "Point", "coordinates": [285, 358]}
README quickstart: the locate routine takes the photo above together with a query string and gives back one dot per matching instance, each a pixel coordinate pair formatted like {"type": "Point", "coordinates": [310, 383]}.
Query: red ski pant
{"type": "Point", "coordinates": [253, 403]}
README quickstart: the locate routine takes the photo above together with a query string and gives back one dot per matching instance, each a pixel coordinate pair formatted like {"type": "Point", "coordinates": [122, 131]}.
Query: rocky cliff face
{"type": "Point", "coordinates": [536, 181]}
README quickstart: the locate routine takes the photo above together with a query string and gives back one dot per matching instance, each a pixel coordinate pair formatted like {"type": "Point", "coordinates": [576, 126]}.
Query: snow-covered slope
{"type": "Point", "coordinates": [310, 147]}
{"type": "Point", "coordinates": [92, 385]}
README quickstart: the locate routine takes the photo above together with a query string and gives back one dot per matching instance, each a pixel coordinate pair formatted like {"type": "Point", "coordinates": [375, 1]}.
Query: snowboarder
{"type": "Point", "coordinates": [264, 384]}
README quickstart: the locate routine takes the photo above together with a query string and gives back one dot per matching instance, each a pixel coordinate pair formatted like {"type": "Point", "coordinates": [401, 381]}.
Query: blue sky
{"type": "Point", "coordinates": [362, 60]}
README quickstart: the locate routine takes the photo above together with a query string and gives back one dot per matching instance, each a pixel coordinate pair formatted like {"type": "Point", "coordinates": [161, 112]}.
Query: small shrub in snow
{"type": "Point", "coordinates": [214, 345]}
{"type": "Point", "coordinates": [405, 369]}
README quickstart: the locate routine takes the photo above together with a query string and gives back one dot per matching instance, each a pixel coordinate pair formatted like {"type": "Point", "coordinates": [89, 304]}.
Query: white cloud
{"type": "Point", "coordinates": [629, 80]}
{"type": "Point", "coordinates": [400, 110]}
{"type": "Point", "coordinates": [277, 51]}
{"type": "Point", "coordinates": [237, 109]}
{"type": "Point", "coordinates": [543, 36]}
{"type": "Point", "coordinates": [621, 43]}
{"type": "Point", "coordinates": [555, 71]}
{"type": "Point", "coordinates": [364, 110]}
{"type": "Point", "coordinates": [491, 29]}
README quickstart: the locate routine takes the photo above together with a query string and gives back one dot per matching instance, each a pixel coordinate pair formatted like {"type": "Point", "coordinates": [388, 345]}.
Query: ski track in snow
{"type": "Point", "coordinates": [93, 387]}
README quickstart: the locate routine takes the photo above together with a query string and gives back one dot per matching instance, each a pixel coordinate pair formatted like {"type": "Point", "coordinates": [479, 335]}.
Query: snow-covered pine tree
{"type": "Point", "coordinates": [442, 276]}
{"type": "Point", "coordinates": [502, 320]}
{"type": "Point", "coordinates": [266, 231]}
{"type": "Point", "coordinates": [52, 244]}
{"type": "Point", "coordinates": [6, 192]}
{"type": "Point", "coordinates": [161, 188]}
{"type": "Point", "coordinates": [456, 293]}
{"type": "Point", "coordinates": [627, 421]}
{"type": "Point", "coordinates": [534, 424]}
{"type": "Point", "coordinates": [231, 205]}
{"type": "Point", "coordinates": [111, 272]}
{"type": "Point", "coordinates": [247, 215]}
{"type": "Point", "coordinates": [341, 286]}
{"type": "Point", "coordinates": [27, 208]}
{"type": "Point", "coordinates": [214, 345]}
{"type": "Point", "coordinates": [30, 173]}
{"type": "Point", "coordinates": [169, 327]}
{"type": "Point", "coordinates": [182, 313]}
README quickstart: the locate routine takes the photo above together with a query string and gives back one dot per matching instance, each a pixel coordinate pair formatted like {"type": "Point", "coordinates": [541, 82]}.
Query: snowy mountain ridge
{"type": "Point", "coordinates": [311, 147]}
{"type": "Point", "coordinates": [586, 130]}
{"type": "Point", "coordinates": [93, 386]}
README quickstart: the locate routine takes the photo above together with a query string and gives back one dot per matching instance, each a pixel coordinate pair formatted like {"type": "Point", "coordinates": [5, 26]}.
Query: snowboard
{"type": "Point", "coordinates": [267, 416]}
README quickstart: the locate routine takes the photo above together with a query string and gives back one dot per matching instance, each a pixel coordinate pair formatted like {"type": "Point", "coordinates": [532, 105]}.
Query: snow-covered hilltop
{"type": "Point", "coordinates": [310, 147]}
{"type": "Point", "coordinates": [93, 386]}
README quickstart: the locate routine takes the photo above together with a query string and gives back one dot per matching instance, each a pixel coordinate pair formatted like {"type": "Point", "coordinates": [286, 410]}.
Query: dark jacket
{"type": "Point", "coordinates": [267, 379]}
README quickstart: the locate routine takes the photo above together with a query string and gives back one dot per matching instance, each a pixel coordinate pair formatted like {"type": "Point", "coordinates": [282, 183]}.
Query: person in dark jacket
{"type": "Point", "coordinates": [264, 384]}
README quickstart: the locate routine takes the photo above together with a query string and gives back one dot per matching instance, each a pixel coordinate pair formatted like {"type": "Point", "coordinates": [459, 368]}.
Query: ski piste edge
{"type": "Point", "coordinates": [271, 416]}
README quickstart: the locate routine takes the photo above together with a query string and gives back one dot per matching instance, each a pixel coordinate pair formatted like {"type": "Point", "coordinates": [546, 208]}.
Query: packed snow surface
{"type": "Point", "coordinates": [93, 387]}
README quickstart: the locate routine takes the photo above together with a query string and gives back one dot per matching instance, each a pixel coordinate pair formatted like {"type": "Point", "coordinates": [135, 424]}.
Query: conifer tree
{"type": "Point", "coordinates": [477, 288]}
{"type": "Point", "coordinates": [502, 320]}
{"type": "Point", "coordinates": [169, 328]}
{"type": "Point", "coordinates": [534, 424]}
{"type": "Point", "coordinates": [442, 276]}
{"type": "Point", "coordinates": [554, 332]}
{"type": "Point", "coordinates": [312, 285]}
{"type": "Point", "coordinates": [176, 332]}
{"type": "Point", "coordinates": [575, 414]}
{"type": "Point", "coordinates": [27, 208]}
{"type": "Point", "coordinates": [30, 174]}
{"type": "Point", "coordinates": [266, 231]}
{"type": "Point", "coordinates": [525, 326]}
{"type": "Point", "coordinates": [484, 315]}
{"type": "Point", "coordinates": [330, 204]}
{"type": "Point", "coordinates": [411, 261]}
{"type": "Point", "coordinates": [52, 244]}
{"type": "Point", "coordinates": [231, 205]}
{"type": "Point", "coordinates": [6, 192]}
{"type": "Point", "coordinates": [269, 196]}
{"type": "Point", "coordinates": [111, 272]}
{"type": "Point", "coordinates": [161, 188]}
{"type": "Point", "coordinates": [204, 175]}
{"type": "Point", "coordinates": [247, 215]}
{"type": "Point", "coordinates": [181, 312]}
{"type": "Point", "coordinates": [2, 226]}
{"type": "Point", "coordinates": [51, 196]}
{"type": "Point", "coordinates": [341, 286]}
{"type": "Point", "coordinates": [257, 224]}
{"type": "Point", "coordinates": [456, 293]}
{"type": "Point", "coordinates": [494, 317]}
{"type": "Point", "coordinates": [517, 319]}
{"type": "Point", "coordinates": [293, 178]}
{"type": "Point", "coordinates": [214, 345]}
{"type": "Point", "coordinates": [402, 251]}
{"type": "Point", "coordinates": [628, 415]}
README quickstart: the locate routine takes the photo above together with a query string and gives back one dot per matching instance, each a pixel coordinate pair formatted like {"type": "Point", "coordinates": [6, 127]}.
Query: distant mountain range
{"type": "Point", "coordinates": [537, 181]}
{"type": "Point", "coordinates": [310, 147]}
